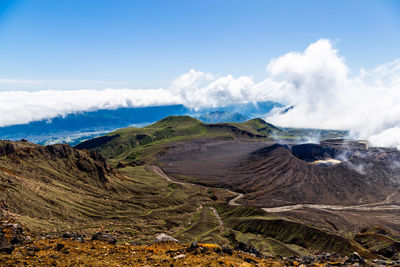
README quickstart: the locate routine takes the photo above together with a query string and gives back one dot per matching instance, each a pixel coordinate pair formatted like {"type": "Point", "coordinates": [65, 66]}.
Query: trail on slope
{"type": "Point", "coordinates": [232, 202]}
{"type": "Point", "coordinates": [332, 207]}
{"type": "Point", "coordinates": [379, 206]}
{"type": "Point", "coordinates": [161, 173]}
{"type": "Point", "coordinates": [221, 223]}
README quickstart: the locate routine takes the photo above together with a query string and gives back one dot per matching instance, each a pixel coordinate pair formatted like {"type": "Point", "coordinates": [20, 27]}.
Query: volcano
{"type": "Point", "coordinates": [287, 174]}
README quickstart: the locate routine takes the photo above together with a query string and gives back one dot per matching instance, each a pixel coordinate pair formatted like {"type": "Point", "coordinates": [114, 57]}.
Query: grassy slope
{"type": "Point", "coordinates": [269, 234]}
{"type": "Point", "coordinates": [281, 236]}
{"type": "Point", "coordinates": [203, 227]}
{"type": "Point", "coordinates": [48, 193]}
{"type": "Point", "coordinates": [51, 194]}
{"type": "Point", "coordinates": [135, 145]}
{"type": "Point", "coordinates": [258, 126]}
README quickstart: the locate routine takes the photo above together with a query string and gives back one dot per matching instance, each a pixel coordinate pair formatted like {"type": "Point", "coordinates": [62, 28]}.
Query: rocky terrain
{"type": "Point", "coordinates": [102, 249]}
{"type": "Point", "coordinates": [231, 185]}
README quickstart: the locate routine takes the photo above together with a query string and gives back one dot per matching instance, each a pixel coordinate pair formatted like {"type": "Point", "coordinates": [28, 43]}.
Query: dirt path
{"type": "Point", "coordinates": [380, 206]}
{"type": "Point", "coordinates": [161, 173]}
{"type": "Point", "coordinates": [221, 223]}
{"type": "Point", "coordinates": [366, 207]}
{"type": "Point", "coordinates": [233, 202]}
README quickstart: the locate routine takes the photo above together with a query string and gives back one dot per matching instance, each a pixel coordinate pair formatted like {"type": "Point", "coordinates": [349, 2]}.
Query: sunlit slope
{"type": "Point", "coordinates": [58, 188]}
{"type": "Point", "coordinates": [135, 145]}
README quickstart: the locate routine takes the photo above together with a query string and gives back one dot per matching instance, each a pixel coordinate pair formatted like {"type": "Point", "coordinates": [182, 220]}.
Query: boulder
{"type": "Point", "coordinates": [324, 256]}
{"type": "Point", "coordinates": [354, 258]}
{"type": "Point", "coordinates": [14, 232]}
{"type": "Point", "coordinates": [165, 238]}
{"type": "Point", "coordinates": [59, 246]}
{"type": "Point", "coordinates": [181, 256]}
{"type": "Point", "coordinates": [194, 246]}
{"type": "Point", "coordinates": [6, 247]}
{"type": "Point", "coordinates": [247, 248]}
{"type": "Point", "coordinates": [307, 260]}
{"type": "Point", "coordinates": [31, 251]}
{"type": "Point", "coordinates": [104, 237]}
{"type": "Point", "coordinates": [227, 250]}
{"type": "Point", "coordinates": [241, 246]}
{"type": "Point", "coordinates": [75, 236]}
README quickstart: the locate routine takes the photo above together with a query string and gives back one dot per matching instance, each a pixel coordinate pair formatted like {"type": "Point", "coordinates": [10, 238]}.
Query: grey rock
{"type": "Point", "coordinates": [355, 258]}
{"type": "Point", "coordinates": [165, 238]}
{"type": "Point", "coordinates": [179, 257]}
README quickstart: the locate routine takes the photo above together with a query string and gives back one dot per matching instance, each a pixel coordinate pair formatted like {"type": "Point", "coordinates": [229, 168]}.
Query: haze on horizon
{"type": "Point", "coordinates": [336, 62]}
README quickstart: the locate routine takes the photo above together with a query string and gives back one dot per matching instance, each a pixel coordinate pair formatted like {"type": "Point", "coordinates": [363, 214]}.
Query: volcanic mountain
{"type": "Point", "coordinates": [224, 183]}
{"type": "Point", "coordinates": [275, 176]}
{"type": "Point", "coordinates": [278, 175]}
{"type": "Point", "coordinates": [136, 145]}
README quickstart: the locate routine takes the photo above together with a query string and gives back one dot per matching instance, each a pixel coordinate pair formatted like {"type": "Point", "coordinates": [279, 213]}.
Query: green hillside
{"type": "Point", "coordinates": [138, 145]}
{"type": "Point", "coordinates": [53, 189]}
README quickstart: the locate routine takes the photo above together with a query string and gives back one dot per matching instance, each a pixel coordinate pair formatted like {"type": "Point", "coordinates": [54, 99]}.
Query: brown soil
{"type": "Point", "coordinates": [67, 252]}
{"type": "Point", "coordinates": [271, 176]}
{"type": "Point", "coordinates": [334, 197]}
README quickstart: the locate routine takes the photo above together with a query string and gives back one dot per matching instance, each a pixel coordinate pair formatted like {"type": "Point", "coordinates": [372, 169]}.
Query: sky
{"type": "Point", "coordinates": [97, 44]}
{"type": "Point", "coordinates": [336, 62]}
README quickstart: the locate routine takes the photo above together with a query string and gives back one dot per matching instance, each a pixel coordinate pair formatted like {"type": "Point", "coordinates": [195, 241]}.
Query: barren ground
{"type": "Point", "coordinates": [215, 164]}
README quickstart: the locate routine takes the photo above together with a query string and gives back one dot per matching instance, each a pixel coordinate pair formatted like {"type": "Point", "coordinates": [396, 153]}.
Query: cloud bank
{"type": "Point", "coordinates": [19, 107]}
{"type": "Point", "coordinates": [318, 85]}
{"type": "Point", "coordinates": [316, 82]}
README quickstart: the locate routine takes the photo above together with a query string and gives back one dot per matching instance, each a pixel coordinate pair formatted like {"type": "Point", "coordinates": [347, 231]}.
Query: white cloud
{"type": "Point", "coordinates": [316, 82]}
{"type": "Point", "coordinates": [17, 107]}
{"type": "Point", "coordinates": [389, 138]}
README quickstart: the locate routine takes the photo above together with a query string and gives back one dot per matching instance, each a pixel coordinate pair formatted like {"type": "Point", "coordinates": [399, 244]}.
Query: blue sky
{"type": "Point", "coordinates": [335, 62]}
{"type": "Point", "coordinates": [94, 44]}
